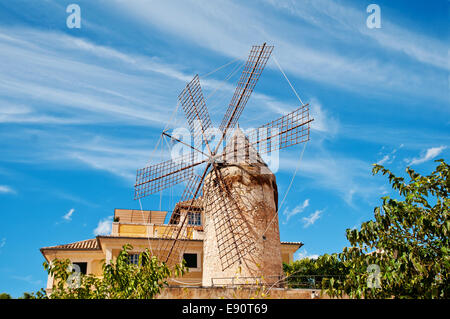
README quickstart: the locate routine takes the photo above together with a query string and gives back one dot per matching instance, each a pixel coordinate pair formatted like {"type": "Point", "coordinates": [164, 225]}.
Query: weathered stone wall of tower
{"type": "Point", "coordinates": [236, 215]}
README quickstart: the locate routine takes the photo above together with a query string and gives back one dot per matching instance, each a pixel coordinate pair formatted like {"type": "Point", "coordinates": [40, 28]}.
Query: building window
{"type": "Point", "coordinates": [133, 259]}
{"type": "Point", "coordinates": [191, 260]}
{"type": "Point", "coordinates": [80, 266]}
{"type": "Point", "coordinates": [194, 219]}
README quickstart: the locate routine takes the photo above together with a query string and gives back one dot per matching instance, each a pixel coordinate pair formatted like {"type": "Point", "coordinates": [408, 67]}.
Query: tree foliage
{"type": "Point", "coordinates": [120, 279]}
{"type": "Point", "coordinates": [403, 252]}
{"type": "Point", "coordinates": [310, 272]}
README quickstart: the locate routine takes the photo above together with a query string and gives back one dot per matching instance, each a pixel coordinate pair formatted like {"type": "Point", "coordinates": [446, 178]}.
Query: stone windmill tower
{"type": "Point", "coordinates": [253, 245]}
{"type": "Point", "coordinates": [237, 190]}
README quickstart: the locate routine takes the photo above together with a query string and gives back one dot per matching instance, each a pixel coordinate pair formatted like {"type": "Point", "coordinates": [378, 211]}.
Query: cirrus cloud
{"type": "Point", "coordinates": [7, 189]}
{"type": "Point", "coordinates": [311, 219]}
{"type": "Point", "coordinates": [428, 155]}
{"type": "Point", "coordinates": [68, 216]}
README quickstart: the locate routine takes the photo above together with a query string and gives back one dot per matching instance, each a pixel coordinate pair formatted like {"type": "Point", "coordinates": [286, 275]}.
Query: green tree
{"type": "Point", "coordinates": [310, 272]}
{"type": "Point", "coordinates": [408, 242]}
{"type": "Point", "coordinates": [120, 278]}
{"type": "Point", "coordinates": [4, 295]}
{"type": "Point", "coordinates": [27, 295]}
{"type": "Point", "coordinates": [34, 295]}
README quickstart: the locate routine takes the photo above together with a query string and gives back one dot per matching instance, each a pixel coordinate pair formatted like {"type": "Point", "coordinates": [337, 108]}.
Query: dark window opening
{"type": "Point", "coordinates": [191, 260]}
{"type": "Point", "coordinates": [81, 266]}
{"type": "Point", "coordinates": [194, 219]}
{"type": "Point", "coordinates": [133, 259]}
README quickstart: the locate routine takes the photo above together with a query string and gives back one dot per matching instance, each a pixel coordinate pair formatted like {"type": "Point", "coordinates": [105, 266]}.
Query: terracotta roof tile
{"type": "Point", "coordinates": [292, 243]}
{"type": "Point", "coordinates": [84, 244]}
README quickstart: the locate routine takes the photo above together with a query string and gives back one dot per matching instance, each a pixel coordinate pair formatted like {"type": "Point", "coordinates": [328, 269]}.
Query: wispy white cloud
{"type": "Point", "coordinates": [7, 189]}
{"type": "Point", "coordinates": [105, 154]}
{"type": "Point", "coordinates": [2, 242]}
{"type": "Point", "coordinates": [57, 192]}
{"type": "Point", "coordinates": [296, 210]}
{"type": "Point", "coordinates": [119, 156]}
{"type": "Point", "coordinates": [346, 176]}
{"type": "Point", "coordinates": [8, 108]}
{"type": "Point", "coordinates": [105, 84]}
{"type": "Point", "coordinates": [428, 155]}
{"type": "Point", "coordinates": [323, 121]}
{"type": "Point", "coordinates": [389, 157]}
{"type": "Point", "coordinates": [385, 160]}
{"type": "Point", "coordinates": [138, 62]}
{"type": "Point", "coordinates": [312, 218]}
{"type": "Point", "coordinates": [301, 46]}
{"type": "Point", "coordinates": [104, 226]}
{"type": "Point", "coordinates": [392, 135]}
{"type": "Point", "coordinates": [68, 216]}
{"type": "Point", "coordinates": [348, 23]}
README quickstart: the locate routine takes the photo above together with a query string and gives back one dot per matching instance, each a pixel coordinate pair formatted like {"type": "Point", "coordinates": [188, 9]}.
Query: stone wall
{"type": "Point", "coordinates": [238, 293]}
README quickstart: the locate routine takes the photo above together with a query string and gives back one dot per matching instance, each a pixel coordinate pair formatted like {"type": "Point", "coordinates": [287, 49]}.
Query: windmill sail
{"type": "Point", "coordinates": [197, 116]}
{"type": "Point", "coordinates": [154, 178]}
{"type": "Point", "coordinates": [250, 75]}
{"type": "Point", "coordinates": [290, 129]}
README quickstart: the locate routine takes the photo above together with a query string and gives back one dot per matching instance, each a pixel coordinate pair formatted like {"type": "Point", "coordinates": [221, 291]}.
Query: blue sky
{"type": "Point", "coordinates": [82, 109]}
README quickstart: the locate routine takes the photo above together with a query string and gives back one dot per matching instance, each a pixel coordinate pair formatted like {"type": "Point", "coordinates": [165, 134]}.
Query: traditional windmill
{"type": "Point", "coordinates": [236, 191]}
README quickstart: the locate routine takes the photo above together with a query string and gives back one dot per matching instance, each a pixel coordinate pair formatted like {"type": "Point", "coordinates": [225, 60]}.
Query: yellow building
{"type": "Point", "coordinates": [140, 229]}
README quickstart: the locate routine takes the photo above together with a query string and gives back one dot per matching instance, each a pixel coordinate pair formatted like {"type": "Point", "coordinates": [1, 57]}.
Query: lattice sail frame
{"type": "Point", "coordinates": [197, 116]}
{"type": "Point", "coordinates": [154, 178]}
{"type": "Point", "coordinates": [257, 60]}
{"type": "Point", "coordinates": [232, 242]}
{"type": "Point", "coordinates": [290, 129]}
